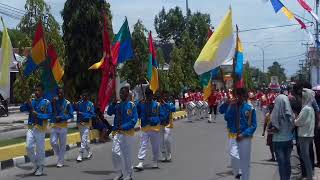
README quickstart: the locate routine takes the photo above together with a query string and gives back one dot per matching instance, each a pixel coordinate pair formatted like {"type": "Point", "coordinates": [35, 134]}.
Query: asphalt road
{"type": "Point", "coordinates": [200, 153]}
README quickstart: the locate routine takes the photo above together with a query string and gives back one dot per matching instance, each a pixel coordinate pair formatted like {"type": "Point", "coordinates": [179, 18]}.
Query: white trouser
{"type": "Point", "coordinates": [155, 143]}
{"type": "Point", "coordinates": [165, 141]}
{"type": "Point", "coordinates": [122, 153]}
{"type": "Point", "coordinates": [245, 157]}
{"type": "Point", "coordinates": [240, 153]}
{"type": "Point", "coordinates": [58, 140]}
{"type": "Point", "coordinates": [35, 144]}
{"type": "Point", "coordinates": [84, 135]}
{"type": "Point", "coordinates": [234, 155]}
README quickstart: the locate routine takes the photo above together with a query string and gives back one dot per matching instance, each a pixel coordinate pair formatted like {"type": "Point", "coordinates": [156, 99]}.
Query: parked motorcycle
{"type": "Point", "coordinates": [4, 108]}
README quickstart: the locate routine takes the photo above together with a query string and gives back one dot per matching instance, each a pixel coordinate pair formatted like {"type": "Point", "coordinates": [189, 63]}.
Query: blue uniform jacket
{"type": "Point", "coordinates": [164, 112]}
{"type": "Point", "coordinates": [86, 110]}
{"type": "Point", "coordinates": [41, 106]}
{"type": "Point", "coordinates": [223, 108]}
{"type": "Point", "coordinates": [62, 109]}
{"type": "Point", "coordinates": [126, 115]}
{"type": "Point", "coordinates": [148, 113]}
{"type": "Point", "coordinates": [231, 117]}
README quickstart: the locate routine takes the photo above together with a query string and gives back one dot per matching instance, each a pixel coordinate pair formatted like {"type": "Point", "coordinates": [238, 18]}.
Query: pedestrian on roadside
{"type": "Point", "coordinates": [62, 111]}
{"type": "Point", "coordinates": [125, 119]}
{"type": "Point", "coordinates": [148, 112]}
{"type": "Point", "coordinates": [282, 126]}
{"type": "Point", "coordinates": [85, 115]}
{"type": "Point", "coordinates": [40, 111]}
{"type": "Point", "coordinates": [317, 131]}
{"type": "Point", "coordinates": [242, 123]}
{"type": "Point", "coordinates": [305, 123]}
{"type": "Point", "coordinates": [268, 125]}
{"type": "Point", "coordinates": [213, 104]}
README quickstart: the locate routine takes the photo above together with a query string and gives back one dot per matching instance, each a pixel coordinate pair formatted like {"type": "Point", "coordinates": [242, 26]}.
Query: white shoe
{"type": "Point", "coordinates": [169, 157]}
{"type": "Point", "coordinates": [60, 165]}
{"type": "Point", "coordinates": [118, 177]}
{"type": "Point", "coordinates": [90, 154]}
{"type": "Point", "coordinates": [39, 171]}
{"type": "Point", "coordinates": [155, 165]}
{"type": "Point", "coordinates": [210, 121]}
{"type": "Point", "coordinates": [139, 167]}
{"type": "Point", "coordinates": [163, 157]}
{"type": "Point", "coordinates": [79, 158]}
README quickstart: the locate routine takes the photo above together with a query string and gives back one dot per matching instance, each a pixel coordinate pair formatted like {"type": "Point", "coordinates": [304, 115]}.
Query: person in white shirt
{"type": "Point", "coordinates": [305, 123]}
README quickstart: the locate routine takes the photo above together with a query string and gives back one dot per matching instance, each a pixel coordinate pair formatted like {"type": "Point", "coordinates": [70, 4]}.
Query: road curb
{"type": "Point", "coordinates": [15, 155]}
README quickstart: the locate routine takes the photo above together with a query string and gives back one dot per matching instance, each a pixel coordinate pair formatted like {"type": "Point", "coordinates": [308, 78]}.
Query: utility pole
{"type": "Point", "coordinates": [316, 44]}
{"type": "Point", "coordinates": [307, 60]}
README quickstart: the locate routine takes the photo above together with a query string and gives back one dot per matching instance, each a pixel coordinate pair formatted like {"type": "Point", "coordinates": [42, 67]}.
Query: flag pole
{"type": "Point", "coordinates": [234, 62]}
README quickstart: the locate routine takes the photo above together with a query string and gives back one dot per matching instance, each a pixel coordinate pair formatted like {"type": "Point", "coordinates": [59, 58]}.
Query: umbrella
{"type": "Point", "coordinates": [316, 88]}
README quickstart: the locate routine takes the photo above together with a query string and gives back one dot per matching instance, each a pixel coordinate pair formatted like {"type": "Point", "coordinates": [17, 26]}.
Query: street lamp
{"type": "Point", "coordinates": [262, 49]}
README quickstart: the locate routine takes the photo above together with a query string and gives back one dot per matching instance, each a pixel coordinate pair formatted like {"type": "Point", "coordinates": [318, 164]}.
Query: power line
{"type": "Point", "coordinates": [13, 8]}
{"type": "Point", "coordinates": [293, 41]}
{"type": "Point", "coordinates": [271, 27]}
{"type": "Point", "coordinates": [283, 58]}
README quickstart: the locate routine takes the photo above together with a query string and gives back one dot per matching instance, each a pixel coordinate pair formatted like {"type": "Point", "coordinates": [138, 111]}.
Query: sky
{"type": "Point", "coordinates": [280, 44]}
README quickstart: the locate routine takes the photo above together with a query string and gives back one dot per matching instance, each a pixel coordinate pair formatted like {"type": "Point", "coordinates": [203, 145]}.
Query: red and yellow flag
{"type": "Point", "coordinates": [38, 52]}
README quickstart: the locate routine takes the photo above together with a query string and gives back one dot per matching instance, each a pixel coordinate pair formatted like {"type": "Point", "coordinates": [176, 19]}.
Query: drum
{"type": "Point", "coordinates": [199, 104]}
{"type": "Point", "coordinates": [191, 106]}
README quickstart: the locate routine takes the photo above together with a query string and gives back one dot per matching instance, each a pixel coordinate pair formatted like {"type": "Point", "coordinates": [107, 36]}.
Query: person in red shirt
{"type": "Point", "coordinates": [213, 103]}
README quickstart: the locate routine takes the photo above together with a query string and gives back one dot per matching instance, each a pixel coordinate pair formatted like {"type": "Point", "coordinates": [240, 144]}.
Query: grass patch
{"type": "Point", "coordinates": [18, 140]}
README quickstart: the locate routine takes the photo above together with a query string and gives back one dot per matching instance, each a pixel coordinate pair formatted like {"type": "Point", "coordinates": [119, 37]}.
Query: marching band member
{"type": "Point", "coordinates": [62, 112]}
{"type": "Point", "coordinates": [166, 121]}
{"type": "Point", "coordinates": [85, 113]}
{"type": "Point", "coordinates": [123, 130]}
{"type": "Point", "coordinates": [242, 123]}
{"type": "Point", "coordinates": [148, 112]}
{"type": "Point", "coordinates": [40, 111]}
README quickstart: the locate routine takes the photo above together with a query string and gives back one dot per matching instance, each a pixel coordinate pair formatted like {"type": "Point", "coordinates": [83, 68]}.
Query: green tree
{"type": "Point", "coordinates": [189, 53]}
{"type": "Point", "coordinates": [176, 75]}
{"type": "Point", "coordinates": [135, 70]}
{"type": "Point", "coordinates": [82, 34]}
{"type": "Point", "coordinates": [277, 70]}
{"type": "Point", "coordinates": [248, 76]}
{"type": "Point", "coordinates": [170, 25]}
{"type": "Point", "coordinates": [198, 28]}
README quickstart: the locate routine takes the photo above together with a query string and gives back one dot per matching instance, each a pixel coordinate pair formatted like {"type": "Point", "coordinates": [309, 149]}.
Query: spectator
{"type": "Point", "coordinates": [282, 121]}
{"type": "Point", "coordinates": [268, 125]}
{"type": "Point", "coordinates": [305, 123]}
{"type": "Point", "coordinates": [101, 124]}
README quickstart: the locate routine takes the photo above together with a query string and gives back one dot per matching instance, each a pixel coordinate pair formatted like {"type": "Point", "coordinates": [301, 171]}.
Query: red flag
{"type": "Point", "coordinates": [305, 5]}
{"type": "Point", "coordinates": [108, 81]}
{"type": "Point", "coordinates": [303, 26]}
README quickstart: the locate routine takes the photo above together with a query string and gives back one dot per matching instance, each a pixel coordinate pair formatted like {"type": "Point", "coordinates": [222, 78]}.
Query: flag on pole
{"type": "Point", "coordinates": [277, 6]}
{"type": "Point", "coordinates": [121, 47]}
{"type": "Point", "coordinates": [207, 91]}
{"type": "Point", "coordinates": [5, 63]}
{"type": "Point", "coordinates": [56, 68]}
{"type": "Point", "coordinates": [218, 48]}
{"type": "Point", "coordinates": [153, 67]}
{"type": "Point", "coordinates": [239, 59]}
{"type": "Point", "coordinates": [108, 81]}
{"type": "Point", "coordinates": [38, 51]}
{"type": "Point", "coordinates": [309, 9]}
